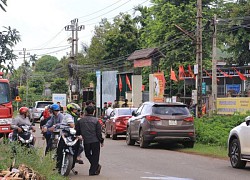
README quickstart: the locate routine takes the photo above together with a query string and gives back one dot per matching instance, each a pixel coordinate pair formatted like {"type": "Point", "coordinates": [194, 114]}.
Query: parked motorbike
{"type": "Point", "coordinates": [69, 150]}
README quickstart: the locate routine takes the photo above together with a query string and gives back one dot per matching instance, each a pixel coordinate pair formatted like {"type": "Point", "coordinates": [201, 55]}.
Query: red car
{"type": "Point", "coordinates": [117, 122]}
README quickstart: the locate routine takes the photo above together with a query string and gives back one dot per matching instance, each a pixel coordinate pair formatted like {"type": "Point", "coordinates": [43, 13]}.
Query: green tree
{"type": "Point", "coordinates": [8, 39]}
{"type": "Point", "coordinates": [46, 63]}
{"type": "Point", "coordinates": [59, 86]}
{"type": "Point", "coordinates": [33, 59]}
{"type": "Point", "coordinates": [234, 31]}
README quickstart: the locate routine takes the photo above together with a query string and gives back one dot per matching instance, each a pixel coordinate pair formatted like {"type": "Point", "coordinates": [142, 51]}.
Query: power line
{"type": "Point", "coordinates": [100, 10]}
{"type": "Point", "coordinates": [106, 12]}
{"type": "Point", "coordinates": [44, 48]}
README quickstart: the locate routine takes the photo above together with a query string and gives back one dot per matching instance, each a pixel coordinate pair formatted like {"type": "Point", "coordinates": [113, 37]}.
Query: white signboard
{"type": "Point", "coordinates": [59, 98]}
{"type": "Point", "coordinates": [196, 69]}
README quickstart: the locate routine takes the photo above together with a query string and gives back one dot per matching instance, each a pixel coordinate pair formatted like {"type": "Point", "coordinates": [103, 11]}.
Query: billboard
{"type": "Point", "coordinates": [232, 105]}
{"type": "Point", "coordinates": [59, 98]}
{"type": "Point", "coordinates": [158, 87]}
{"type": "Point", "coordinates": [109, 83]}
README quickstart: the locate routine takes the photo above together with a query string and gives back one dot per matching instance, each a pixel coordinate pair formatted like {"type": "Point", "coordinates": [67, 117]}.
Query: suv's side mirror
{"type": "Point", "coordinates": [133, 113]}
{"type": "Point", "coordinates": [247, 120]}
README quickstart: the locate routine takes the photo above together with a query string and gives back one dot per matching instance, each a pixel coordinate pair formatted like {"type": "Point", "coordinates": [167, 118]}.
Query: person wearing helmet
{"type": "Point", "coordinates": [70, 117]}
{"type": "Point", "coordinates": [22, 118]}
{"type": "Point", "coordinates": [55, 119]}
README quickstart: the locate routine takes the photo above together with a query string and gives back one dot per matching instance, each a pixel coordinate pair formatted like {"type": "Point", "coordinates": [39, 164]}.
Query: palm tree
{"type": "Point", "coordinates": [33, 59]}
{"type": "Point", "coordinates": [2, 4]}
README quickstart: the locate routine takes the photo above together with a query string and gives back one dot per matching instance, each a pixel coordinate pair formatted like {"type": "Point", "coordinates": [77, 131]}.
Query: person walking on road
{"type": "Point", "coordinates": [90, 129]}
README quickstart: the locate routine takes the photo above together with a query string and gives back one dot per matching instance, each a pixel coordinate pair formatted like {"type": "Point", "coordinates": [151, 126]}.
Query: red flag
{"type": "Point", "coordinates": [225, 74]}
{"type": "Point", "coordinates": [143, 88]}
{"type": "Point", "coordinates": [120, 83]}
{"type": "Point", "coordinates": [191, 74]}
{"type": "Point", "coordinates": [181, 72]}
{"type": "Point", "coordinates": [242, 77]}
{"type": "Point", "coordinates": [209, 74]}
{"type": "Point", "coordinates": [128, 83]}
{"type": "Point", "coordinates": [172, 75]}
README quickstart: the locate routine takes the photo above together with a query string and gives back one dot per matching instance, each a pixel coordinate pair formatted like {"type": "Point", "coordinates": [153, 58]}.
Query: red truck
{"type": "Point", "coordinates": [6, 108]}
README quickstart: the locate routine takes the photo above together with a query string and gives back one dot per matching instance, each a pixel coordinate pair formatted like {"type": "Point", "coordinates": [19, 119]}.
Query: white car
{"type": "Point", "coordinates": [239, 144]}
{"type": "Point", "coordinates": [38, 109]}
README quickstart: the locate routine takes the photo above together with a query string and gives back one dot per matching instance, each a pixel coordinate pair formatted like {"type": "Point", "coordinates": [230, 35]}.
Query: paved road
{"type": "Point", "coordinates": [122, 162]}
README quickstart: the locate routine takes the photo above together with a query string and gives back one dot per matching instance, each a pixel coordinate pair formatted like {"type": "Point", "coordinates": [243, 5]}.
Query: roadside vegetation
{"type": "Point", "coordinates": [32, 158]}
{"type": "Point", "coordinates": [212, 133]}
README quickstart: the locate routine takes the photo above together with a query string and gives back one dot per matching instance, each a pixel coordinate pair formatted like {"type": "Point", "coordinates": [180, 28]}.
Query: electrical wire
{"type": "Point", "coordinates": [106, 12]}
{"type": "Point", "coordinates": [100, 10]}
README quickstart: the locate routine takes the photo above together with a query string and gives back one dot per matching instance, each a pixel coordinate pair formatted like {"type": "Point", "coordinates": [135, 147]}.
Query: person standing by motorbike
{"type": "Point", "coordinates": [22, 119]}
{"type": "Point", "coordinates": [90, 129]}
{"type": "Point", "coordinates": [50, 126]}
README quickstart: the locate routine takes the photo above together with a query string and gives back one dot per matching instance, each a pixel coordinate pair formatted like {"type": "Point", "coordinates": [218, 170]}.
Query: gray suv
{"type": "Point", "coordinates": [161, 122]}
{"type": "Point", "coordinates": [37, 110]}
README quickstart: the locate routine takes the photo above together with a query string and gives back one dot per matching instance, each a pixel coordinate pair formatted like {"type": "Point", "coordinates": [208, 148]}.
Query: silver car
{"type": "Point", "coordinates": [161, 122]}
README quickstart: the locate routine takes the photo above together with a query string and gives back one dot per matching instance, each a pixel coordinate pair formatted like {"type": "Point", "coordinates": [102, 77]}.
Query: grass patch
{"type": "Point", "coordinates": [207, 150]}
{"type": "Point", "coordinates": [33, 158]}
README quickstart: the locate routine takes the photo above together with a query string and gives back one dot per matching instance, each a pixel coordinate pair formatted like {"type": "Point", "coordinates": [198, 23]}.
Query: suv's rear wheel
{"type": "Point", "coordinates": [129, 140]}
{"type": "Point", "coordinates": [188, 144]}
{"type": "Point", "coordinates": [142, 142]}
{"type": "Point", "coordinates": [235, 155]}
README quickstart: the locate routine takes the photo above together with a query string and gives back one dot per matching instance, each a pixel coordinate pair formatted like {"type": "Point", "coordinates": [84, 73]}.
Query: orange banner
{"type": "Point", "coordinates": [159, 87]}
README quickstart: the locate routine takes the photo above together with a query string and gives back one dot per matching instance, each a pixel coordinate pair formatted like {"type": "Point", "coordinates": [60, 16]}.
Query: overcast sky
{"type": "Point", "coordinates": [41, 23]}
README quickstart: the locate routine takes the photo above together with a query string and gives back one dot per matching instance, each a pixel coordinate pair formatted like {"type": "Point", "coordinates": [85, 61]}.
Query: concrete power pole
{"type": "Point", "coordinates": [214, 66]}
{"type": "Point", "coordinates": [78, 28]}
{"type": "Point", "coordinates": [199, 58]}
{"type": "Point", "coordinates": [74, 51]}
{"type": "Point", "coordinates": [72, 29]}
{"type": "Point", "coordinates": [24, 53]}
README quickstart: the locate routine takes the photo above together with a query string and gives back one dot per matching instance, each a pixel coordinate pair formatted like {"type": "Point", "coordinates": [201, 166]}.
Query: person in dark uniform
{"type": "Point", "coordinates": [125, 104]}
{"type": "Point", "coordinates": [61, 108]}
{"type": "Point", "coordinates": [90, 129]}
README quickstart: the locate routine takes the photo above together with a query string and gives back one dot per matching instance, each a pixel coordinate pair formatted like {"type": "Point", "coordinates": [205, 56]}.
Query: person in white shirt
{"type": "Point", "coordinates": [109, 110]}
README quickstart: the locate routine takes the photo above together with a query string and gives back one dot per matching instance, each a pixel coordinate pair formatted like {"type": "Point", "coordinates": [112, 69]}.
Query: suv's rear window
{"type": "Point", "coordinates": [43, 104]}
{"type": "Point", "coordinates": [170, 110]}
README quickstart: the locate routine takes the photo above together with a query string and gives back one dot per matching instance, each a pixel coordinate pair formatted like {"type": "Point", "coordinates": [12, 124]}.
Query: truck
{"type": "Point", "coordinates": [6, 108]}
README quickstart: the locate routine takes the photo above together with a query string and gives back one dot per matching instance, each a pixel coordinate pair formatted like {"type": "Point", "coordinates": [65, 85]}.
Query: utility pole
{"type": "Point", "coordinates": [26, 72]}
{"type": "Point", "coordinates": [73, 79]}
{"type": "Point", "coordinates": [199, 58]}
{"type": "Point", "coordinates": [78, 28]}
{"type": "Point", "coordinates": [214, 66]}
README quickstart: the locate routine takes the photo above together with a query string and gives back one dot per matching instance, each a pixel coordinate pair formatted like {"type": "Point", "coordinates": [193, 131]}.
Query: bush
{"type": "Point", "coordinates": [32, 158]}
{"type": "Point", "coordinates": [215, 130]}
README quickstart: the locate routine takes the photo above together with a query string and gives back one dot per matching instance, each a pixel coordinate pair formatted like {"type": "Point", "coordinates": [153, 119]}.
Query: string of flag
{"type": "Point", "coordinates": [181, 76]}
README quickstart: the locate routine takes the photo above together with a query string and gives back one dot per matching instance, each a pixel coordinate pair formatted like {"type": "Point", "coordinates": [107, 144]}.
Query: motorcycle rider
{"type": "Point", "coordinates": [56, 119]}
{"type": "Point", "coordinates": [68, 120]}
{"type": "Point", "coordinates": [22, 119]}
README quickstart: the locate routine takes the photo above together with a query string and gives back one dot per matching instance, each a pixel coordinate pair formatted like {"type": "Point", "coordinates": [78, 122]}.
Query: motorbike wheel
{"type": "Point", "coordinates": [67, 165]}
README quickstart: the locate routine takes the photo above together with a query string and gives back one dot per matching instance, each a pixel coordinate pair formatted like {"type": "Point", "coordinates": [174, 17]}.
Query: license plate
{"type": "Point", "coordinates": [5, 129]}
{"type": "Point", "coordinates": [172, 122]}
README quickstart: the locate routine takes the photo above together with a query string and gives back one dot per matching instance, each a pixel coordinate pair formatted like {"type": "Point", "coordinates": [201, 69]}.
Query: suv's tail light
{"type": "Point", "coordinates": [189, 119]}
{"type": "Point", "coordinates": [152, 118]}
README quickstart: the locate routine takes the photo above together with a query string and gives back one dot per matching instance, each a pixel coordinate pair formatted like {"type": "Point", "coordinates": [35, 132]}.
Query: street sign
{"type": "Point", "coordinates": [18, 99]}
{"type": "Point", "coordinates": [203, 88]}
